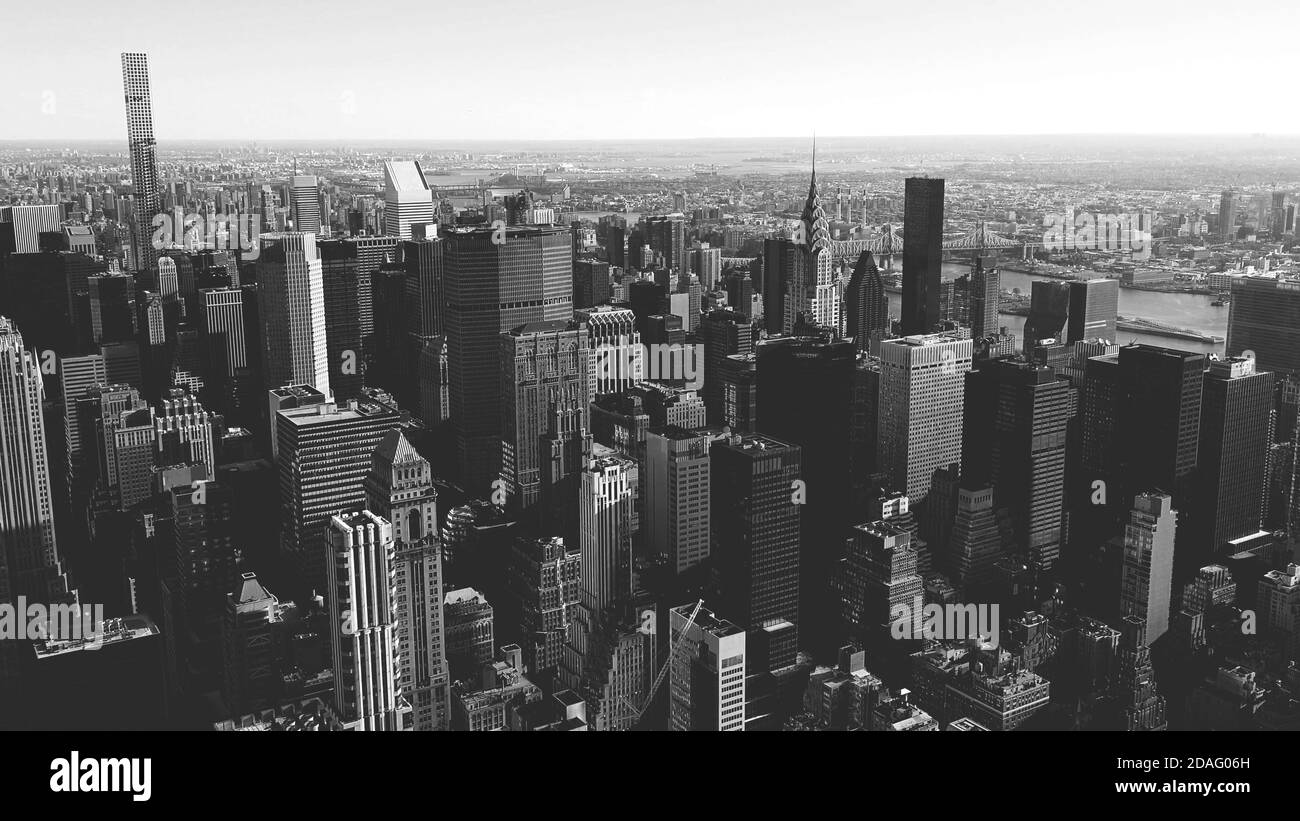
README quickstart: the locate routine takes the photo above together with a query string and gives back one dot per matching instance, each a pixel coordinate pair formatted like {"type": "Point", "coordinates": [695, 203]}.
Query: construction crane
{"type": "Point", "coordinates": [639, 713]}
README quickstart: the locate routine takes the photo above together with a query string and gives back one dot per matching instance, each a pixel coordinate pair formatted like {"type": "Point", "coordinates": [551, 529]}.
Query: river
{"type": "Point", "coordinates": [1192, 311]}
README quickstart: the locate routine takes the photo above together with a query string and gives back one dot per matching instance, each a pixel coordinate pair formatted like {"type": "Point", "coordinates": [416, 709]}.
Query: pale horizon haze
{"type": "Point", "coordinates": [583, 70]}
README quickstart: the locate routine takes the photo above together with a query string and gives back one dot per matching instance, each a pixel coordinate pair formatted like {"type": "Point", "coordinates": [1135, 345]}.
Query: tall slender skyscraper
{"type": "Point", "coordinates": [291, 301]}
{"type": "Point", "coordinates": [985, 298]}
{"type": "Point", "coordinates": [922, 253]}
{"type": "Point", "coordinates": [1228, 215]}
{"type": "Point", "coordinates": [1158, 419]}
{"type": "Point", "coordinates": [362, 618]}
{"type": "Point", "coordinates": [400, 489]}
{"type": "Point", "coordinates": [140, 143]}
{"type": "Point", "coordinates": [29, 555]}
{"type": "Point", "coordinates": [408, 200]}
{"type": "Point", "coordinates": [677, 495]}
{"type": "Point", "coordinates": [866, 305]}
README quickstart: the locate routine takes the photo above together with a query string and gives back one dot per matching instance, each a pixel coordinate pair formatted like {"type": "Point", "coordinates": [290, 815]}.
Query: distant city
{"type": "Point", "coordinates": [809, 434]}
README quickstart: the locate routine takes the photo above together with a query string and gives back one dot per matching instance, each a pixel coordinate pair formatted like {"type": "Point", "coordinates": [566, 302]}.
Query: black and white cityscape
{"type": "Point", "coordinates": [996, 432]}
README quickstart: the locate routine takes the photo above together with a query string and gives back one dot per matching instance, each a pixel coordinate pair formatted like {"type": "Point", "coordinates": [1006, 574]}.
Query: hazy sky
{"type": "Point", "coordinates": [574, 69]}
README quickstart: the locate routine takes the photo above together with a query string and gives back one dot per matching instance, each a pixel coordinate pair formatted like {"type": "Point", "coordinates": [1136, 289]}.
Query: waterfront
{"type": "Point", "coordinates": [1180, 310]}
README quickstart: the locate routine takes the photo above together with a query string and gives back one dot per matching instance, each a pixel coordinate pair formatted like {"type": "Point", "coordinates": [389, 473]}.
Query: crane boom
{"type": "Point", "coordinates": [668, 662]}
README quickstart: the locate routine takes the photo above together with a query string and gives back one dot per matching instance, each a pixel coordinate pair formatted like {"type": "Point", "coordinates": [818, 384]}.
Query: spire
{"type": "Point", "coordinates": [816, 230]}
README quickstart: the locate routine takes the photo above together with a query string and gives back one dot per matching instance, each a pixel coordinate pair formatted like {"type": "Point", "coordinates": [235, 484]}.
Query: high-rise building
{"type": "Point", "coordinates": [140, 144]}
{"type": "Point", "coordinates": [880, 580]}
{"type": "Point", "coordinates": [492, 287]}
{"type": "Point", "coordinates": [607, 520]}
{"type": "Point", "coordinates": [28, 222]}
{"type": "Point", "coordinates": [408, 200]}
{"type": "Point", "coordinates": [1014, 440]}
{"type": "Point", "coordinates": [304, 204]}
{"type": "Point", "coordinates": [29, 554]}
{"type": "Point", "coordinates": [399, 488]}
{"type": "Point", "coordinates": [706, 683]}
{"type": "Point", "coordinates": [343, 350]}
{"type": "Point", "coordinates": [616, 357]}
{"type": "Point", "coordinates": [1146, 582]}
{"type": "Point", "coordinates": [1158, 420]}
{"type": "Point", "coordinates": [976, 543]}
{"type": "Point", "coordinates": [922, 254]}
{"type": "Point", "coordinates": [725, 333]}
{"type": "Point", "coordinates": [255, 636]}
{"type": "Point", "coordinates": [112, 307]}
{"type": "Point", "coordinates": [324, 453]}
{"type": "Point", "coordinates": [921, 404]}
{"type": "Point", "coordinates": [1049, 313]}
{"type": "Point", "coordinates": [739, 377]}
{"type": "Point", "coordinates": [1094, 304]}
{"type": "Point", "coordinates": [667, 237]}
{"type": "Point", "coordinates": [1228, 215]}
{"type": "Point", "coordinates": [780, 256]}
{"type": "Point", "coordinates": [676, 494]}
{"type": "Point", "coordinates": [546, 583]}
{"type": "Point", "coordinates": [755, 519]}
{"type": "Point", "coordinates": [223, 328]}
{"type": "Point", "coordinates": [470, 632]}
{"type": "Point", "coordinates": [984, 298]}
{"type": "Point", "coordinates": [866, 304]}
{"type": "Point", "coordinates": [1232, 459]}
{"type": "Point", "coordinates": [362, 616]}
{"type": "Point", "coordinates": [1264, 318]}
{"type": "Point", "coordinates": [591, 286]}
{"type": "Point", "coordinates": [291, 308]}
{"type": "Point", "coordinates": [544, 379]}
{"type": "Point", "coordinates": [805, 392]}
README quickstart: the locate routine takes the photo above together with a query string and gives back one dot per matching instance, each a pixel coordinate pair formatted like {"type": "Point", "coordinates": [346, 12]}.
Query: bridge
{"type": "Point", "coordinates": [889, 242]}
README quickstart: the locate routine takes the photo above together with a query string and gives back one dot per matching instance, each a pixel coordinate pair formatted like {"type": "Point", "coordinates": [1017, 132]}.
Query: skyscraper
{"type": "Point", "coordinates": [324, 453]}
{"type": "Point", "coordinates": [140, 143]}
{"type": "Point", "coordinates": [304, 203]}
{"type": "Point", "coordinates": [29, 556]}
{"type": "Point", "coordinates": [362, 618]}
{"type": "Point", "coordinates": [1146, 582]}
{"type": "Point", "coordinates": [985, 298]}
{"type": "Point", "coordinates": [676, 494]}
{"type": "Point", "coordinates": [29, 221]}
{"type": "Point", "coordinates": [223, 327]}
{"type": "Point", "coordinates": [755, 518]}
{"type": "Point", "coordinates": [1264, 318]}
{"type": "Point", "coordinates": [607, 520]}
{"type": "Point", "coordinates": [408, 200]}
{"type": "Point", "coordinates": [667, 236]}
{"type": "Point", "coordinates": [1228, 215]}
{"type": "Point", "coordinates": [921, 404]}
{"type": "Point", "coordinates": [544, 373]}
{"type": "Point", "coordinates": [725, 333]}
{"type": "Point", "coordinates": [491, 288]}
{"type": "Point", "coordinates": [291, 302]}
{"type": "Point", "coordinates": [706, 683]}
{"type": "Point", "coordinates": [399, 488]}
{"type": "Point", "coordinates": [1158, 419]}
{"type": "Point", "coordinates": [1232, 460]}
{"type": "Point", "coordinates": [866, 305]}
{"type": "Point", "coordinates": [1014, 440]}
{"type": "Point", "coordinates": [546, 583]}
{"type": "Point", "coordinates": [922, 253]}
{"type": "Point", "coordinates": [1094, 304]}
{"type": "Point", "coordinates": [813, 295]}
